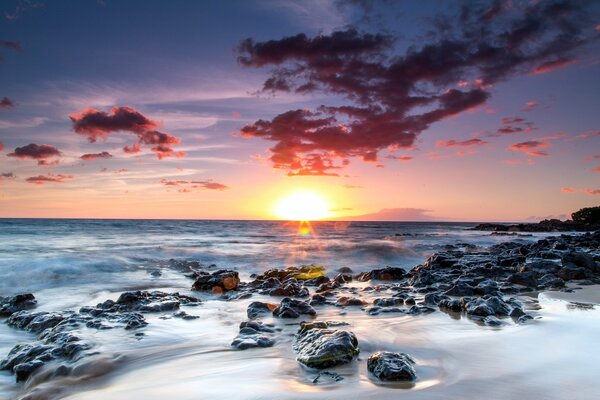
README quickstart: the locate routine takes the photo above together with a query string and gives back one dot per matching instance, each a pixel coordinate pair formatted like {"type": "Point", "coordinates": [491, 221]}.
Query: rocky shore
{"type": "Point", "coordinates": [547, 225]}
{"type": "Point", "coordinates": [486, 285]}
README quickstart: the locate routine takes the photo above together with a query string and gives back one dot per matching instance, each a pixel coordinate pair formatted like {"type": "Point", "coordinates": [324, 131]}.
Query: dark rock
{"type": "Point", "coordinates": [434, 298]}
{"type": "Point", "coordinates": [321, 348]}
{"type": "Point", "coordinates": [551, 281]}
{"type": "Point", "coordinates": [349, 301]}
{"type": "Point", "coordinates": [218, 282]}
{"type": "Point", "coordinates": [571, 272]}
{"type": "Point", "coordinates": [461, 288]}
{"type": "Point", "coordinates": [387, 366]}
{"type": "Point", "coordinates": [327, 377]}
{"type": "Point", "coordinates": [20, 302]}
{"type": "Point", "coordinates": [253, 334]}
{"type": "Point", "coordinates": [482, 307]}
{"type": "Point", "coordinates": [384, 274]}
{"type": "Point", "coordinates": [492, 321]}
{"type": "Point", "coordinates": [580, 259]}
{"type": "Point", "coordinates": [290, 308]}
{"type": "Point", "coordinates": [524, 278]}
{"type": "Point", "coordinates": [257, 308]}
{"type": "Point", "coordinates": [388, 302]}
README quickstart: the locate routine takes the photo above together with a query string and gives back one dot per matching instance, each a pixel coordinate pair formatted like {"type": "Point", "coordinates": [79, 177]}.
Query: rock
{"type": "Point", "coordinates": [327, 377]}
{"type": "Point", "coordinates": [434, 298]}
{"type": "Point", "coordinates": [349, 301]}
{"type": "Point", "coordinates": [551, 281]}
{"type": "Point", "coordinates": [388, 366]}
{"type": "Point", "coordinates": [492, 321]}
{"type": "Point", "coordinates": [290, 308]}
{"type": "Point", "coordinates": [184, 315]}
{"type": "Point", "coordinates": [218, 282]}
{"type": "Point", "coordinates": [35, 322]}
{"type": "Point", "coordinates": [384, 274]}
{"type": "Point", "coordinates": [455, 305]}
{"type": "Point", "coordinates": [290, 288]}
{"type": "Point", "coordinates": [487, 286]}
{"type": "Point", "coordinates": [524, 278]}
{"type": "Point", "coordinates": [580, 259]}
{"type": "Point", "coordinates": [321, 348]}
{"type": "Point", "coordinates": [388, 302]}
{"type": "Point", "coordinates": [461, 288]}
{"type": "Point", "coordinates": [20, 302]}
{"type": "Point", "coordinates": [257, 308]}
{"type": "Point", "coordinates": [571, 272]}
{"type": "Point", "coordinates": [253, 334]}
{"type": "Point", "coordinates": [482, 307]}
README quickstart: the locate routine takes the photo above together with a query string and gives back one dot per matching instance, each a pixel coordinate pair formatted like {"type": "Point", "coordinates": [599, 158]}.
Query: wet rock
{"type": "Point", "coordinates": [384, 274]}
{"type": "Point", "coordinates": [141, 301]}
{"type": "Point", "coordinates": [289, 288]}
{"type": "Point", "coordinates": [487, 286]}
{"type": "Point", "coordinates": [551, 281]}
{"type": "Point", "coordinates": [319, 347]}
{"type": "Point", "coordinates": [461, 288]}
{"type": "Point", "coordinates": [516, 312]}
{"type": "Point", "coordinates": [254, 334]}
{"type": "Point", "coordinates": [256, 308]}
{"type": "Point", "coordinates": [418, 310]}
{"type": "Point", "coordinates": [218, 282]}
{"type": "Point", "coordinates": [326, 287]}
{"type": "Point", "coordinates": [384, 310]}
{"type": "Point", "coordinates": [434, 298]}
{"type": "Point", "coordinates": [343, 278]}
{"type": "Point", "coordinates": [580, 259]}
{"type": "Point", "coordinates": [482, 307]}
{"type": "Point", "coordinates": [524, 278]}
{"type": "Point", "coordinates": [35, 322]}
{"type": "Point", "coordinates": [344, 270]}
{"type": "Point", "coordinates": [327, 377]}
{"type": "Point", "coordinates": [492, 321]}
{"type": "Point", "coordinates": [571, 272]}
{"type": "Point", "coordinates": [290, 308]}
{"type": "Point", "coordinates": [388, 302]}
{"type": "Point", "coordinates": [455, 305]}
{"type": "Point", "coordinates": [541, 267]}
{"type": "Point", "coordinates": [20, 302]}
{"type": "Point", "coordinates": [318, 299]}
{"type": "Point", "coordinates": [388, 366]}
{"type": "Point", "coordinates": [184, 315]}
{"type": "Point", "coordinates": [349, 301]}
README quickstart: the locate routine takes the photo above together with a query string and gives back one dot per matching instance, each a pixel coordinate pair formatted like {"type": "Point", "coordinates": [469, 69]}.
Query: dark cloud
{"type": "Point", "coordinates": [531, 148]}
{"type": "Point", "coordinates": [394, 97]}
{"type": "Point", "coordinates": [94, 156]}
{"type": "Point", "coordinates": [464, 143]}
{"type": "Point", "coordinates": [399, 158]}
{"type": "Point", "coordinates": [40, 152]}
{"type": "Point", "coordinates": [95, 124]}
{"type": "Point", "coordinates": [7, 176]}
{"type": "Point", "coordinates": [50, 178]}
{"type": "Point", "coordinates": [5, 102]}
{"type": "Point", "coordinates": [207, 184]}
{"type": "Point", "coordinates": [512, 125]}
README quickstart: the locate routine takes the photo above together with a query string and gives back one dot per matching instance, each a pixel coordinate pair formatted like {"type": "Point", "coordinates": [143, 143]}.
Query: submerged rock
{"type": "Point", "coordinates": [388, 366]}
{"type": "Point", "coordinates": [254, 334]}
{"type": "Point", "coordinates": [218, 282]}
{"type": "Point", "coordinates": [327, 377]}
{"type": "Point", "coordinates": [321, 347]}
{"type": "Point", "coordinates": [256, 308]}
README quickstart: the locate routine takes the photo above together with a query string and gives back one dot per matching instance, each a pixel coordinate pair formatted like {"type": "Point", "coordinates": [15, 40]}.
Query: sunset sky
{"type": "Point", "coordinates": [217, 109]}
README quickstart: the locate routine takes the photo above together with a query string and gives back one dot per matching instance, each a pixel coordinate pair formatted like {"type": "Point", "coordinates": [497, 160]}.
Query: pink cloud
{"type": "Point", "coordinates": [50, 178]}
{"type": "Point", "coordinates": [464, 143]}
{"type": "Point", "coordinates": [207, 184]}
{"type": "Point", "coordinates": [40, 152]}
{"type": "Point", "coordinates": [94, 156]}
{"type": "Point", "coordinates": [95, 124]}
{"type": "Point", "coordinates": [531, 148]}
{"type": "Point", "coordinates": [551, 66]}
{"type": "Point", "coordinates": [136, 148]}
{"type": "Point", "coordinates": [399, 158]}
{"type": "Point", "coordinates": [592, 191]}
{"type": "Point", "coordinates": [568, 190]}
{"type": "Point", "coordinates": [530, 106]}
{"type": "Point", "coordinates": [588, 134]}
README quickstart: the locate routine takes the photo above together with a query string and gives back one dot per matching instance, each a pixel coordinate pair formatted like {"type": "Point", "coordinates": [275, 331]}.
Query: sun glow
{"type": "Point", "coordinates": [302, 206]}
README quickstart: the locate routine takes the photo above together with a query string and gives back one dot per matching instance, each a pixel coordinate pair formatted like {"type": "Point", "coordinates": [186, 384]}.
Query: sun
{"type": "Point", "coordinates": [302, 206]}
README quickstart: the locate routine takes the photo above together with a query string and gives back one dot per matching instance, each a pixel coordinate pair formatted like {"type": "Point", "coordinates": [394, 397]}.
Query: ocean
{"type": "Point", "coordinates": [70, 263]}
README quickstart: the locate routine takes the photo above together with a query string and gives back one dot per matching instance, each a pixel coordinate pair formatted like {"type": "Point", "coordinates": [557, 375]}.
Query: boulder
{"type": "Point", "coordinates": [290, 308]}
{"type": "Point", "coordinates": [218, 282]}
{"type": "Point", "coordinates": [388, 366]}
{"type": "Point", "coordinates": [321, 347]}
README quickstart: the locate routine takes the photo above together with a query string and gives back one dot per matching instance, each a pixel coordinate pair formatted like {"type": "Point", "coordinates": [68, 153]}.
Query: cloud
{"type": "Point", "coordinates": [530, 106]}
{"type": "Point", "coordinates": [464, 143]}
{"type": "Point", "coordinates": [93, 156]}
{"type": "Point", "coordinates": [50, 178]}
{"type": "Point", "coordinates": [5, 103]}
{"type": "Point", "coordinates": [592, 191]}
{"type": "Point", "coordinates": [95, 125]}
{"type": "Point", "coordinates": [207, 184]}
{"type": "Point", "coordinates": [531, 147]}
{"type": "Point", "coordinates": [1, 146]}
{"type": "Point", "coordinates": [597, 169]}
{"type": "Point", "coordinates": [352, 186]}
{"type": "Point", "coordinates": [392, 97]}
{"type": "Point", "coordinates": [12, 45]}
{"type": "Point", "coordinates": [395, 214]}
{"type": "Point", "coordinates": [512, 125]}
{"type": "Point", "coordinates": [586, 191]}
{"type": "Point", "coordinates": [551, 66]}
{"type": "Point", "coordinates": [588, 134]}
{"type": "Point", "coordinates": [568, 190]}
{"type": "Point", "coordinates": [21, 7]}
{"type": "Point", "coordinates": [39, 152]}
{"type": "Point", "coordinates": [399, 158]}
{"type": "Point", "coordinates": [7, 176]}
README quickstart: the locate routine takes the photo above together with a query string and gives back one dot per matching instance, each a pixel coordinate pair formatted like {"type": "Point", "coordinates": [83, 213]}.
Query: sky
{"type": "Point", "coordinates": [429, 110]}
